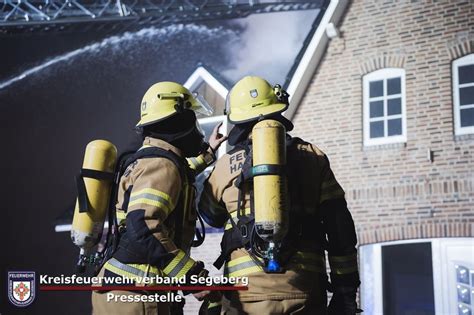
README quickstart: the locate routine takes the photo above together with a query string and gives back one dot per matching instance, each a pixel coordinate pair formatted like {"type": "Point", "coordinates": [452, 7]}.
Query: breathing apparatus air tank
{"type": "Point", "coordinates": [270, 187]}
{"type": "Point", "coordinates": [94, 190]}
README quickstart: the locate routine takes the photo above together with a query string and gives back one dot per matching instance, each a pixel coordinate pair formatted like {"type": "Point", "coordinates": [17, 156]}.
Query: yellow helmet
{"type": "Point", "coordinates": [252, 98]}
{"type": "Point", "coordinates": [165, 99]}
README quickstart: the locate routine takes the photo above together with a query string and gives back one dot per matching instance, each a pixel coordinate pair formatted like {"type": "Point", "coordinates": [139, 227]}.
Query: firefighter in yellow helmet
{"type": "Point", "coordinates": [318, 217]}
{"type": "Point", "coordinates": [155, 202]}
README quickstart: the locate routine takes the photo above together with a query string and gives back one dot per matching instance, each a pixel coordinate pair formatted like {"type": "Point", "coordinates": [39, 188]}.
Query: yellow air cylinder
{"type": "Point", "coordinates": [100, 155]}
{"type": "Point", "coordinates": [270, 186]}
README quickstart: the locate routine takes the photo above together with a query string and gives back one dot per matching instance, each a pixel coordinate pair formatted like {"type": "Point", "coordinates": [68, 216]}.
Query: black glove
{"type": "Point", "coordinates": [343, 301]}
{"type": "Point", "coordinates": [177, 307]}
{"type": "Point", "coordinates": [197, 269]}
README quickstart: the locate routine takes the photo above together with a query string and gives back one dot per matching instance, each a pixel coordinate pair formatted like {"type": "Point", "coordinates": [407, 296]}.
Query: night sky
{"type": "Point", "coordinates": [60, 91]}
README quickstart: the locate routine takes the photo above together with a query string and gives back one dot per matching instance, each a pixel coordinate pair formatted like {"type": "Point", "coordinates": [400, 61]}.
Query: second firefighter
{"type": "Point", "coordinates": [319, 220]}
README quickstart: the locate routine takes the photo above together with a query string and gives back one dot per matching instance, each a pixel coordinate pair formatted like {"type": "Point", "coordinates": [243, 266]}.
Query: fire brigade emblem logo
{"type": "Point", "coordinates": [254, 93]}
{"type": "Point", "coordinates": [21, 287]}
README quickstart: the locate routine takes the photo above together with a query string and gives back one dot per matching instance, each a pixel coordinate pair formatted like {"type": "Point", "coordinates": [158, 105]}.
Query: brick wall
{"type": "Point", "coordinates": [396, 191]}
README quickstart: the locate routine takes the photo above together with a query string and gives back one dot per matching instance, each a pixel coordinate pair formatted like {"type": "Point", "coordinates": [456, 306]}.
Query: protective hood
{"type": "Point", "coordinates": [241, 132]}
{"type": "Point", "coordinates": [182, 131]}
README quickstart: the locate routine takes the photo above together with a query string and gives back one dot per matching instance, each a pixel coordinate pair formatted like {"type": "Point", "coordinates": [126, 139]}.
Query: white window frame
{"type": "Point", "coordinates": [463, 61]}
{"type": "Point", "coordinates": [217, 119]}
{"type": "Point", "coordinates": [201, 75]}
{"type": "Point", "coordinates": [384, 74]}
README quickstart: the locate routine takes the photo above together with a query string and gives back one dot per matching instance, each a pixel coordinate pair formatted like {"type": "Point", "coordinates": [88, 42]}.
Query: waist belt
{"type": "Point", "coordinates": [132, 271]}
{"type": "Point", "coordinates": [304, 261]}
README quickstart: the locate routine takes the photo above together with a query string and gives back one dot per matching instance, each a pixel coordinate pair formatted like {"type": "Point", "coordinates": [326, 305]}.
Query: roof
{"type": "Point", "coordinates": [311, 54]}
{"type": "Point", "coordinates": [303, 68]}
{"type": "Point", "coordinates": [203, 74]}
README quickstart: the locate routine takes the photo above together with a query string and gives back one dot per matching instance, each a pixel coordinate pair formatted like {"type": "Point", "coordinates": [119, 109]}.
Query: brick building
{"type": "Point", "coordinates": [391, 101]}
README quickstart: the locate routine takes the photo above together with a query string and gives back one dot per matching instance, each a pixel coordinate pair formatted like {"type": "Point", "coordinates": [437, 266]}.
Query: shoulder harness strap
{"type": "Point", "coordinates": [153, 152]}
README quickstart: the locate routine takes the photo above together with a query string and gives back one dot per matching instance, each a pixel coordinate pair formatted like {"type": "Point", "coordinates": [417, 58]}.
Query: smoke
{"type": "Point", "coordinates": [269, 44]}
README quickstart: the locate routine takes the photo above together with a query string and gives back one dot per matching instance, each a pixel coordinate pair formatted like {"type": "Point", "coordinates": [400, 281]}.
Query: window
{"type": "Point", "coordinates": [384, 107]}
{"type": "Point", "coordinates": [208, 124]}
{"type": "Point", "coordinates": [407, 283]}
{"type": "Point", "coordinates": [463, 94]}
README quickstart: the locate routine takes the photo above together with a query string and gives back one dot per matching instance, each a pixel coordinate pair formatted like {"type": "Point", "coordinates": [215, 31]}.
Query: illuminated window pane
{"type": "Point", "coordinates": [462, 274]}
{"type": "Point", "coordinates": [464, 294]}
{"type": "Point", "coordinates": [464, 310]}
